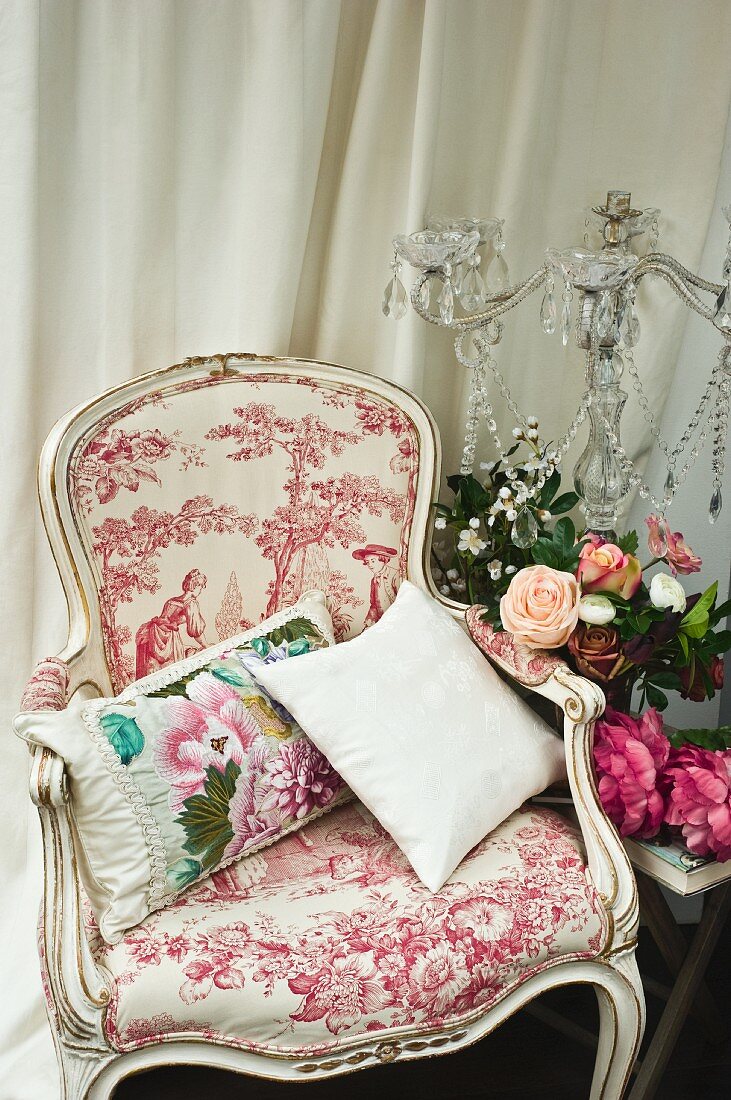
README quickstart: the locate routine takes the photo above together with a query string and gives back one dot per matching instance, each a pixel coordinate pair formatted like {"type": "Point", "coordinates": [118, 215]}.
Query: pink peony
{"type": "Point", "coordinates": [629, 754]}
{"type": "Point", "coordinates": [699, 799]}
{"type": "Point", "coordinates": [604, 568]}
{"type": "Point", "coordinates": [541, 607]}
{"type": "Point", "coordinates": [300, 780]}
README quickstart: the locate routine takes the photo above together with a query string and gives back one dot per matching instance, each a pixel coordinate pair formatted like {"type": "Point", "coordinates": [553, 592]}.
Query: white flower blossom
{"type": "Point", "coordinates": [544, 515]}
{"type": "Point", "coordinates": [444, 589]}
{"type": "Point", "coordinates": [533, 433]}
{"type": "Point", "coordinates": [596, 610]}
{"type": "Point", "coordinates": [531, 421]}
{"type": "Point", "coordinates": [453, 574]}
{"type": "Point", "coordinates": [470, 540]}
{"type": "Point", "coordinates": [495, 569]}
{"type": "Point", "coordinates": [474, 523]}
{"type": "Point", "coordinates": [460, 585]}
{"type": "Point", "coordinates": [512, 515]}
{"type": "Point", "coordinates": [666, 591]}
{"type": "Point", "coordinates": [505, 492]}
{"type": "Point", "coordinates": [440, 523]}
{"type": "Point", "coordinates": [511, 569]}
{"type": "Point", "coordinates": [517, 433]}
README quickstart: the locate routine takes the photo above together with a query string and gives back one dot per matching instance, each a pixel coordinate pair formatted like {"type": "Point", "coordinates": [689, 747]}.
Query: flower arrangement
{"type": "Point", "coordinates": [613, 622]}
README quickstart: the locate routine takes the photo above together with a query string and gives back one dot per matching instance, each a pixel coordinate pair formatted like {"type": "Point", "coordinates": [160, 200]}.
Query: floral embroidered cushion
{"type": "Point", "coordinates": [189, 769]}
{"type": "Point", "coordinates": [423, 730]}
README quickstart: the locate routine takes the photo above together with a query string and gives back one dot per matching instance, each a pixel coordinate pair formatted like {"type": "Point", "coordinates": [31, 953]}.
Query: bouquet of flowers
{"type": "Point", "coordinates": [596, 603]}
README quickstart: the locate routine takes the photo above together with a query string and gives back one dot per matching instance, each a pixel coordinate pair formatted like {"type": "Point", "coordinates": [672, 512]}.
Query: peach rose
{"type": "Point", "coordinates": [604, 568]}
{"type": "Point", "coordinates": [541, 607]}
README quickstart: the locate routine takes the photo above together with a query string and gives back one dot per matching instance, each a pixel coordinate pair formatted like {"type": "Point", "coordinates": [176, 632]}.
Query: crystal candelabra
{"type": "Point", "coordinates": [599, 287]}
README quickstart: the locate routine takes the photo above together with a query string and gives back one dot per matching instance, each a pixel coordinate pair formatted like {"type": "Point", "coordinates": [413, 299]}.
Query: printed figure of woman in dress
{"type": "Point", "coordinates": [385, 580]}
{"type": "Point", "coordinates": [159, 641]}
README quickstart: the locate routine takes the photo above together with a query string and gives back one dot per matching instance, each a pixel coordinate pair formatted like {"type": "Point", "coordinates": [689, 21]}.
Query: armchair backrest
{"type": "Point", "coordinates": [189, 503]}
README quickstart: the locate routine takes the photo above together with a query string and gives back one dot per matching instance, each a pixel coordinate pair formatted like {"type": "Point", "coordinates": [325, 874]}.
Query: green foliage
{"type": "Point", "coordinates": [561, 551]}
{"type": "Point", "coordinates": [125, 736]}
{"type": "Point", "coordinates": [717, 740]}
{"type": "Point", "coordinates": [183, 872]}
{"type": "Point", "coordinates": [628, 543]}
{"type": "Point", "coordinates": [205, 816]}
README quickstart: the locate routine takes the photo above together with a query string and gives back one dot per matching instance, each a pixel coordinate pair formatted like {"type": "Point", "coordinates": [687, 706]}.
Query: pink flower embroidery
{"type": "Point", "coordinates": [342, 992]}
{"type": "Point", "coordinates": [249, 822]}
{"type": "Point", "coordinates": [436, 979]}
{"type": "Point", "coordinates": [700, 799]}
{"type": "Point", "coordinates": [210, 727]}
{"type": "Point", "coordinates": [301, 780]}
{"type": "Point", "coordinates": [629, 754]}
{"type": "Point", "coordinates": [482, 919]}
{"type": "Point", "coordinates": [146, 947]}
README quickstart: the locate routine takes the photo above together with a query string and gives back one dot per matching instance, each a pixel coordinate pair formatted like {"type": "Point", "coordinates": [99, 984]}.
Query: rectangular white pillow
{"type": "Point", "coordinates": [422, 729]}
{"type": "Point", "coordinates": [189, 768]}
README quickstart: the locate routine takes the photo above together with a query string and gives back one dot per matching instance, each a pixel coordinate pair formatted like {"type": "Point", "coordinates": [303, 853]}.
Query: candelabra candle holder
{"type": "Point", "coordinates": [598, 303]}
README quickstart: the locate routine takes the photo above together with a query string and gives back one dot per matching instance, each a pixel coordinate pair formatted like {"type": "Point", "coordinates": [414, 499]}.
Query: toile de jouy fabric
{"type": "Point", "coordinates": [340, 939]}
{"type": "Point", "coordinates": [265, 485]}
{"type": "Point", "coordinates": [189, 768]}
{"type": "Point", "coordinates": [423, 729]}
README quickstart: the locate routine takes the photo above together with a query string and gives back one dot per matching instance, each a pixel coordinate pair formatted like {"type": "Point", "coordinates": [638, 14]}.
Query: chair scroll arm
{"type": "Point", "coordinates": [582, 703]}
{"type": "Point", "coordinates": [79, 988]}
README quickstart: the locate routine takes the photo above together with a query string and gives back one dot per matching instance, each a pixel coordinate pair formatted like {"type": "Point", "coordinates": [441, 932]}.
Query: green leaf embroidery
{"type": "Point", "coordinates": [291, 631]}
{"type": "Point", "coordinates": [205, 816]}
{"type": "Point", "coordinates": [182, 873]}
{"type": "Point", "coordinates": [229, 677]}
{"type": "Point", "coordinates": [125, 736]}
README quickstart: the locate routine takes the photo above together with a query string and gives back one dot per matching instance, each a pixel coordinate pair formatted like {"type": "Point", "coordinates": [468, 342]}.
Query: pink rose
{"type": "Point", "coordinates": [541, 607]}
{"type": "Point", "coordinates": [699, 799]}
{"type": "Point", "coordinates": [604, 568]}
{"type": "Point", "coordinates": [680, 557]}
{"type": "Point", "coordinates": [629, 754]}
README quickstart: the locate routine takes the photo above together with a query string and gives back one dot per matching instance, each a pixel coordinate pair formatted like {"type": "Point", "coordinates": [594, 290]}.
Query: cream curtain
{"type": "Point", "coordinates": [188, 176]}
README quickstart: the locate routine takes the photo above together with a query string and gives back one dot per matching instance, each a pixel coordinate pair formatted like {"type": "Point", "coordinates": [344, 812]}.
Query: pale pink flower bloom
{"type": "Point", "coordinates": [301, 780]}
{"type": "Point", "coordinates": [672, 547]}
{"type": "Point", "coordinates": [342, 992]}
{"type": "Point", "coordinates": [483, 919]}
{"type": "Point", "coordinates": [210, 727]}
{"type": "Point", "coordinates": [437, 978]}
{"type": "Point", "coordinates": [629, 754]}
{"type": "Point", "coordinates": [700, 799]}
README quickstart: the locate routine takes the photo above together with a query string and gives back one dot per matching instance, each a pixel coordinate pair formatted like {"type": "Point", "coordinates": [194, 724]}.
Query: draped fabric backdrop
{"type": "Point", "coordinates": [191, 176]}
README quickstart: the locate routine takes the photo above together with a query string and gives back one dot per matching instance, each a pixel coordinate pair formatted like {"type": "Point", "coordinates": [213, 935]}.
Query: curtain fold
{"type": "Point", "coordinates": [191, 176]}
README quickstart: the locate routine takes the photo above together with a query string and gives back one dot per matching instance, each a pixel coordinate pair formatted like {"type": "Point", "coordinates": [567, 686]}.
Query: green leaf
{"type": "Point", "coordinates": [182, 873]}
{"type": "Point", "coordinates": [655, 697]}
{"type": "Point", "coordinates": [564, 537]}
{"type": "Point", "coordinates": [716, 740]}
{"type": "Point", "coordinates": [229, 677]}
{"type": "Point", "coordinates": [564, 503]}
{"type": "Point", "coordinates": [685, 646]}
{"type": "Point", "coordinates": [629, 543]}
{"type": "Point", "coordinates": [290, 631]}
{"type": "Point", "coordinates": [719, 642]}
{"type": "Point", "coordinates": [543, 553]}
{"type": "Point", "coordinates": [549, 490]}
{"type": "Point", "coordinates": [695, 629]}
{"type": "Point", "coordinates": [701, 610]}
{"type": "Point", "coordinates": [721, 612]}
{"type": "Point", "coordinates": [176, 688]}
{"type": "Point", "coordinates": [125, 736]}
{"type": "Point", "coordinates": [298, 646]}
{"type": "Point", "coordinates": [666, 679]}
{"type": "Point", "coordinates": [204, 817]}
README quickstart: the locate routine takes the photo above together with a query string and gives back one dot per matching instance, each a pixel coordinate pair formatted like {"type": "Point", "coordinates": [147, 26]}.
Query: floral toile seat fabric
{"type": "Point", "coordinates": [338, 938]}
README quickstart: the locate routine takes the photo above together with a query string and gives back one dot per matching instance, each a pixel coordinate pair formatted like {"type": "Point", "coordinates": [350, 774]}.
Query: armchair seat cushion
{"type": "Point", "coordinates": [338, 938]}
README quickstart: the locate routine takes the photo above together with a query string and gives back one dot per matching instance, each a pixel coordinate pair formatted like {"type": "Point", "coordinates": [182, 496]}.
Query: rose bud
{"type": "Point", "coordinates": [596, 610]}
{"type": "Point", "coordinates": [665, 591]}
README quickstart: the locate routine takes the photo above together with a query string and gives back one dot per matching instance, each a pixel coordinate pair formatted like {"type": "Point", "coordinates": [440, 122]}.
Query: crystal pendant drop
{"type": "Point", "coordinates": [525, 529]}
{"type": "Point", "coordinates": [548, 313]}
{"type": "Point", "coordinates": [632, 331]}
{"type": "Point", "coordinates": [472, 295]}
{"type": "Point", "coordinates": [565, 322]}
{"type": "Point", "coordinates": [714, 510]}
{"type": "Point", "coordinates": [722, 314]}
{"type": "Point", "coordinates": [425, 294]}
{"type": "Point", "coordinates": [660, 543]}
{"type": "Point", "coordinates": [498, 277]}
{"type": "Point", "coordinates": [603, 315]}
{"type": "Point", "coordinates": [669, 484]}
{"type": "Point", "coordinates": [446, 303]}
{"type": "Point", "coordinates": [394, 299]}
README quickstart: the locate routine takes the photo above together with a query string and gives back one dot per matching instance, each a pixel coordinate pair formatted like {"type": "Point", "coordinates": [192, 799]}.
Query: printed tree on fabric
{"type": "Point", "coordinates": [317, 513]}
{"type": "Point", "coordinates": [129, 550]}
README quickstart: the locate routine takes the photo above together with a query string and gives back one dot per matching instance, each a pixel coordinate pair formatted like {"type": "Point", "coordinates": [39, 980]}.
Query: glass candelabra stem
{"type": "Point", "coordinates": [598, 475]}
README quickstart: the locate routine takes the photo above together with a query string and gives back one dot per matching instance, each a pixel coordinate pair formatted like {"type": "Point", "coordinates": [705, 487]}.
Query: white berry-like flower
{"type": "Point", "coordinates": [532, 421]}
{"type": "Point", "coordinates": [511, 472]}
{"type": "Point", "coordinates": [511, 569]}
{"type": "Point", "coordinates": [460, 585]}
{"type": "Point", "coordinates": [505, 493]}
{"type": "Point", "coordinates": [440, 523]}
{"type": "Point", "coordinates": [544, 515]}
{"type": "Point", "coordinates": [488, 466]}
{"type": "Point", "coordinates": [517, 433]}
{"type": "Point", "coordinates": [533, 433]}
{"type": "Point", "coordinates": [596, 610]}
{"type": "Point", "coordinates": [666, 591]}
{"type": "Point", "coordinates": [512, 515]}
{"type": "Point", "coordinates": [474, 523]}
{"type": "Point", "coordinates": [495, 569]}
{"type": "Point", "coordinates": [453, 574]}
{"type": "Point", "coordinates": [444, 589]}
{"type": "Point", "coordinates": [470, 540]}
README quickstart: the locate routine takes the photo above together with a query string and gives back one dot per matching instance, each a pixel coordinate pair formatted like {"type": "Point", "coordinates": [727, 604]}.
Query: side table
{"type": "Point", "coordinates": [687, 963]}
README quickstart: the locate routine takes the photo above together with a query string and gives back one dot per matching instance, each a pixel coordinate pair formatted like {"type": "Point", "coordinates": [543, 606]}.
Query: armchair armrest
{"type": "Point", "coordinates": [582, 702]}
{"type": "Point", "coordinates": [79, 988]}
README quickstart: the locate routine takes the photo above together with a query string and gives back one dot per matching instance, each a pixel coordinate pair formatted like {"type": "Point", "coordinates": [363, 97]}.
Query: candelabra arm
{"type": "Point", "coordinates": [496, 304]}
{"type": "Point", "coordinates": [654, 266]}
{"type": "Point", "coordinates": [685, 274]}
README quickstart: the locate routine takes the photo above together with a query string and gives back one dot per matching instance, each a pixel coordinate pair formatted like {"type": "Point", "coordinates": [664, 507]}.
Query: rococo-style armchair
{"type": "Point", "coordinates": [183, 506]}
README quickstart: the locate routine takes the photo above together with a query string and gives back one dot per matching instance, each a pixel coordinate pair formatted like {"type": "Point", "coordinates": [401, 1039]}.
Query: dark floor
{"type": "Point", "coordinates": [523, 1060]}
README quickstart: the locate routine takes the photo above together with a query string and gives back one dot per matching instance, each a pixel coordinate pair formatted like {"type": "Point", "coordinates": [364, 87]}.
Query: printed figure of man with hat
{"type": "Point", "coordinates": [384, 584]}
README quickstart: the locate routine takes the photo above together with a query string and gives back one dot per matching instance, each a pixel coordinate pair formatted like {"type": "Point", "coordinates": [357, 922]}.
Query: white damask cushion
{"type": "Point", "coordinates": [189, 769]}
{"type": "Point", "coordinates": [422, 729]}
